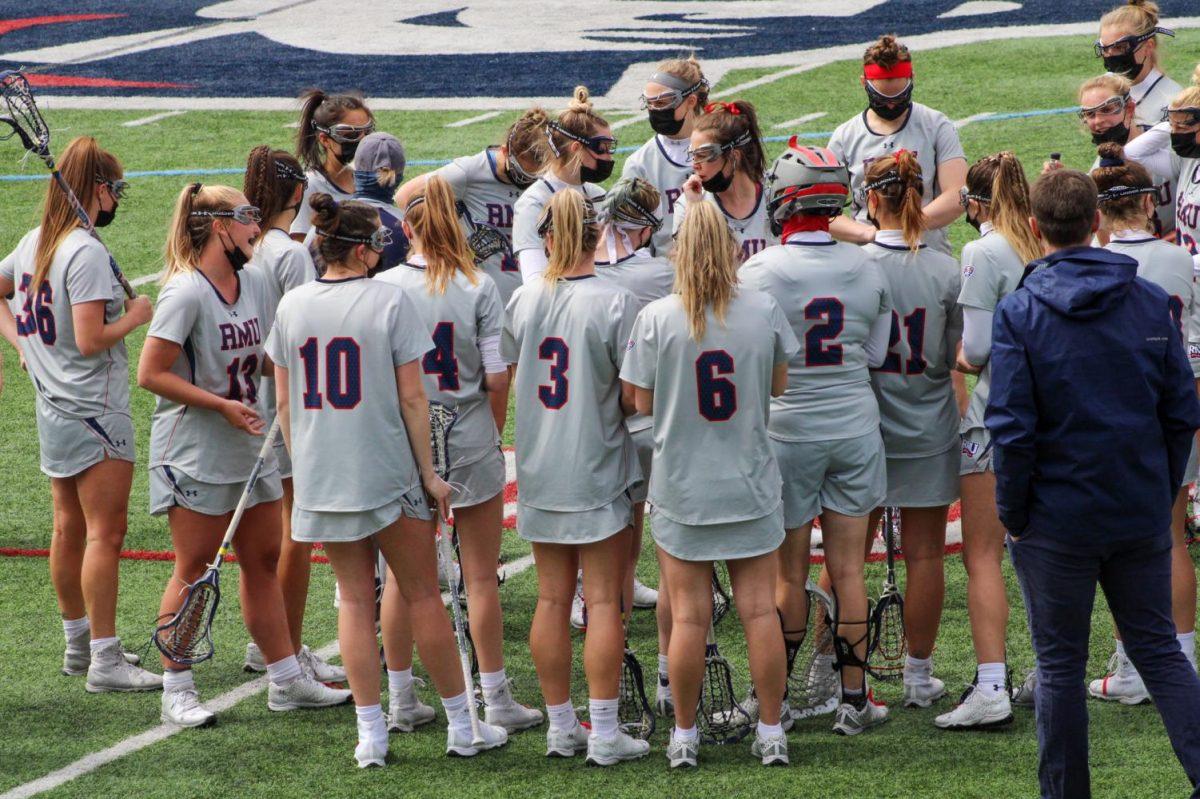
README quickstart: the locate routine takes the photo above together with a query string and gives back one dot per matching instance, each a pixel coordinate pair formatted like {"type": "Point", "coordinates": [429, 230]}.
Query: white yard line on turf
{"type": "Point", "coordinates": [89, 763]}
{"type": "Point", "coordinates": [462, 123]}
{"type": "Point", "coordinates": [961, 123]}
{"type": "Point", "coordinates": [144, 279]}
{"type": "Point", "coordinates": [134, 123]}
{"type": "Point", "coordinates": [791, 123]}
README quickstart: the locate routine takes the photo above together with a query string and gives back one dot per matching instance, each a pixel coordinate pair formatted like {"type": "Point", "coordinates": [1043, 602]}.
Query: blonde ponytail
{"type": "Point", "coordinates": [575, 228]}
{"type": "Point", "coordinates": [188, 234]}
{"type": "Point", "coordinates": [706, 257]}
{"type": "Point", "coordinates": [434, 221]}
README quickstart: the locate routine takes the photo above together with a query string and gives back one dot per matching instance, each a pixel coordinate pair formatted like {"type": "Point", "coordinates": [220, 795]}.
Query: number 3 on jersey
{"type": "Point", "coordinates": [716, 396]}
{"type": "Point", "coordinates": [555, 350]}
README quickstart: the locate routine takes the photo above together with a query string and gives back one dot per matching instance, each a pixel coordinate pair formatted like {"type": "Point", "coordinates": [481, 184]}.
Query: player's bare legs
{"type": "Point", "coordinates": [67, 545]}
{"type": "Point", "coordinates": [103, 492]}
{"type": "Point", "coordinates": [295, 568]}
{"type": "Point", "coordinates": [690, 585]}
{"type": "Point", "coordinates": [754, 581]}
{"type": "Point", "coordinates": [479, 532]}
{"type": "Point", "coordinates": [983, 550]}
{"type": "Point", "coordinates": [550, 633]}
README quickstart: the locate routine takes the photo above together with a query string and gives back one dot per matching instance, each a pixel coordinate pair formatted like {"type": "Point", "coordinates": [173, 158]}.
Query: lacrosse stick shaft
{"type": "Point", "coordinates": [235, 520]}
{"type": "Point", "coordinates": [889, 542]}
{"type": "Point", "coordinates": [460, 630]}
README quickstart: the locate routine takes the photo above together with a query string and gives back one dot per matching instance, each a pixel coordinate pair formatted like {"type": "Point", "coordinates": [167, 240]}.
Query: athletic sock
{"type": "Point", "coordinates": [1187, 642]}
{"type": "Point", "coordinates": [991, 678]}
{"type": "Point", "coordinates": [399, 681]}
{"type": "Point", "coordinates": [456, 711]}
{"type": "Point", "coordinates": [492, 683]}
{"type": "Point", "coordinates": [284, 672]}
{"type": "Point", "coordinates": [181, 680]}
{"type": "Point", "coordinates": [917, 671]}
{"type": "Point", "coordinates": [769, 730]}
{"type": "Point", "coordinates": [1121, 649]}
{"type": "Point", "coordinates": [686, 735]}
{"type": "Point", "coordinates": [97, 644]}
{"type": "Point", "coordinates": [369, 719]}
{"type": "Point", "coordinates": [562, 717]}
{"type": "Point", "coordinates": [74, 628]}
{"type": "Point", "coordinates": [603, 715]}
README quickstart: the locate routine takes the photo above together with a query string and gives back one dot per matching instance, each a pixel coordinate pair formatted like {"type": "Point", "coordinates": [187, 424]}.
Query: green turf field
{"type": "Point", "coordinates": [47, 721]}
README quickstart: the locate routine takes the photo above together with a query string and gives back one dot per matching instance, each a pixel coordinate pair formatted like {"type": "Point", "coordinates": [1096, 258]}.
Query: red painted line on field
{"type": "Point", "coordinates": [10, 25]}
{"type": "Point", "coordinates": [81, 82]}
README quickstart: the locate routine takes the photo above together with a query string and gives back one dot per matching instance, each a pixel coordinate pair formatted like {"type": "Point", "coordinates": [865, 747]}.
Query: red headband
{"type": "Point", "coordinates": [901, 69]}
{"type": "Point", "coordinates": [730, 107]}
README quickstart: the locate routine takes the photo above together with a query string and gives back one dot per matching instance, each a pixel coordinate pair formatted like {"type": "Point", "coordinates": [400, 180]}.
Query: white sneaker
{"type": "Point", "coordinates": [610, 751]}
{"type": "Point", "coordinates": [501, 710]}
{"type": "Point", "coordinates": [406, 711]}
{"type": "Point", "coordinates": [852, 721]}
{"type": "Point", "coordinates": [254, 661]}
{"type": "Point", "coordinates": [772, 751]}
{"type": "Point", "coordinates": [923, 694]}
{"type": "Point", "coordinates": [977, 711]}
{"type": "Point", "coordinates": [77, 656]}
{"type": "Point", "coordinates": [372, 745]}
{"type": "Point", "coordinates": [182, 708]}
{"type": "Point", "coordinates": [1122, 683]}
{"type": "Point", "coordinates": [318, 668]}
{"type": "Point", "coordinates": [643, 595]}
{"type": "Point", "coordinates": [683, 754]}
{"type": "Point", "coordinates": [1023, 695]}
{"type": "Point", "coordinates": [110, 671]}
{"type": "Point", "coordinates": [304, 692]}
{"type": "Point", "coordinates": [459, 742]}
{"type": "Point", "coordinates": [824, 690]}
{"type": "Point", "coordinates": [750, 705]}
{"type": "Point", "coordinates": [578, 611]}
{"type": "Point", "coordinates": [560, 743]}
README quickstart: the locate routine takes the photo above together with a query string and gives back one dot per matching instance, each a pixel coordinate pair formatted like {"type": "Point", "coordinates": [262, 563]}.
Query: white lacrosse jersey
{"type": "Point", "coordinates": [318, 183]}
{"type": "Point", "coordinates": [1153, 96]}
{"type": "Point", "coordinates": [1187, 206]}
{"type": "Point", "coordinates": [753, 232]}
{"type": "Point", "coordinates": [222, 353]}
{"type": "Point", "coordinates": [573, 450]}
{"type": "Point", "coordinates": [832, 295]}
{"type": "Point", "coordinates": [71, 384]}
{"type": "Point", "coordinates": [991, 270]}
{"type": "Point", "coordinates": [928, 133]}
{"type": "Point", "coordinates": [917, 408]}
{"type": "Point", "coordinates": [664, 164]}
{"type": "Point", "coordinates": [712, 461]}
{"type": "Point", "coordinates": [341, 341]}
{"type": "Point", "coordinates": [453, 368]}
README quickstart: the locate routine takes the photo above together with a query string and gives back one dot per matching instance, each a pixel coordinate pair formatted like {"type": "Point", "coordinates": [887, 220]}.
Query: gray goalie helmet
{"type": "Point", "coordinates": [807, 180]}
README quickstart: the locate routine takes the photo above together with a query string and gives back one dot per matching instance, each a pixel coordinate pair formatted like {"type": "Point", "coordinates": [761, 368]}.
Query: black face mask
{"type": "Point", "coordinates": [718, 183]}
{"type": "Point", "coordinates": [1117, 133]}
{"type": "Point", "coordinates": [974, 222]}
{"type": "Point", "coordinates": [878, 103]}
{"type": "Point", "coordinates": [348, 151]}
{"type": "Point", "coordinates": [105, 218]}
{"type": "Point", "coordinates": [237, 259]}
{"type": "Point", "coordinates": [1185, 145]}
{"type": "Point", "coordinates": [1124, 65]}
{"type": "Point", "coordinates": [663, 121]}
{"type": "Point", "coordinates": [871, 218]}
{"type": "Point", "coordinates": [598, 173]}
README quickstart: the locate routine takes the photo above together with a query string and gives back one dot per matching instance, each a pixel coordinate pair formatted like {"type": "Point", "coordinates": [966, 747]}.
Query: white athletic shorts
{"type": "Point", "coordinates": [170, 487]}
{"type": "Point", "coordinates": [72, 446]}
{"type": "Point", "coordinates": [846, 475]}
{"type": "Point", "coordinates": [342, 526]}
{"type": "Point", "coordinates": [927, 482]}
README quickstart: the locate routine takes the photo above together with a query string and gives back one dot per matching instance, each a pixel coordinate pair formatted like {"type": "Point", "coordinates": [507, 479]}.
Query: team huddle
{"type": "Point", "coordinates": [713, 344]}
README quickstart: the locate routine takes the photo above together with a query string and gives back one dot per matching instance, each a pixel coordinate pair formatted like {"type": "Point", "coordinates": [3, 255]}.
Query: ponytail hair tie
{"type": "Point", "coordinates": [1111, 162]}
{"type": "Point", "coordinates": [730, 107]}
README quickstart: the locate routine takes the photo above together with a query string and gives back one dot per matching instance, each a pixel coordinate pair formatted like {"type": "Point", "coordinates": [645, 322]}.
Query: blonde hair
{"type": "Point", "coordinates": [1189, 97]}
{"type": "Point", "coordinates": [1114, 84]}
{"type": "Point", "coordinates": [687, 68]}
{"type": "Point", "coordinates": [1137, 16]}
{"type": "Point", "coordinates": [902, 197]}
{"type": "Point", "coordinates": [1002, 178]}
{"type": "Point", "coordinates": [579, 119]}
{"type": "Point", "coordinates": [81, 165]}
{"type": "Point", "coordinates": [188, 234]}
{"type": "Point", "coordinates": [706, 258]}
{"type": "Point", "coordinates": [434, 220]}
{"type": "Point", "coordinates": [573, 235]}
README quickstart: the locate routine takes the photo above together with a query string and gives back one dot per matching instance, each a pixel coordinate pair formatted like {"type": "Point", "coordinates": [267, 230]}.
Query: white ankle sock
{"type": "Point", "coordinates": [73, 628]}
{"type": "Point", "coordinates": [1187, 642]}
{"type": "Point", "coordinates": [368, 715]}
{"type": "Point", "coordinates": [917, 671]}
{"type": "Point", "coordinates": [456, 711]}
{"type": "Point", "coordinates": [284, 672]}
{"type": "Point", "coordinates": [769, 730]}
{"type": "Point", "coordinates": [603, 715]}
{"type": "Point", "coordinates": [178, 680]}
{"type": "Point", "coordinates": [991, 678]}
{"type": "Point", "coordinates": [492, 682]}
{"type": "Point", "coordinates": [562, 717]}
{"type": "Point", "coordinates": [399, 681]}
{"type": "Point", "coordinates": [685, 735]}
{"type": "Point", "coordinates": [97, 644]}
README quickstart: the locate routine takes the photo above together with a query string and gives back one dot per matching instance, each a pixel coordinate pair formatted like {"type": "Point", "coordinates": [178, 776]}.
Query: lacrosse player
{"type": "Point", "coordinates": [330, 130]}
{"type": "Point", "coordinates": [1128, 44]}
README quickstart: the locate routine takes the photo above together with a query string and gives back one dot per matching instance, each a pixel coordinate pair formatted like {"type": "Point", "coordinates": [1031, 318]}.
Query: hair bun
{"type": "Point", "coordinates": [580, 101]}
{"type": "Point", "coordinates": [1111, 151]}
{"type": "Point", "coordinates": [325, 212]}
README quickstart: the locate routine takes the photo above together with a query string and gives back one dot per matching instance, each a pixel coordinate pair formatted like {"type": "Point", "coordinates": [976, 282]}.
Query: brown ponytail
{"type": "Point", "coordinates": [349, 218]}
{"type": "Point", "coordinates": [1126, 212]}
{"type": "Point", "coordinates": [726, 123]}
{"type": "Point", "coordinates": [434, 221]}
{"type": "Point", "coordinates": [887, 52]}
{"type": "Point", "coordinates": [272, 177]}
{"type": "Point", "coordinates": [1001, 179]}
{"type": "Point", "coordinates": [896, 181]}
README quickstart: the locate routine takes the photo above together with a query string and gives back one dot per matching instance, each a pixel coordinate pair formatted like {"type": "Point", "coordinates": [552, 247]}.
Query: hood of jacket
{"type": "Point", "coordinates": [1081, 282]}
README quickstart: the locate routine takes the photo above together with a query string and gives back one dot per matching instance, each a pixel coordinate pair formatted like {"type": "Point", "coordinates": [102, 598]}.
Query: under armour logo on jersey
{"type": "Point", "coordinates": [233, 314]}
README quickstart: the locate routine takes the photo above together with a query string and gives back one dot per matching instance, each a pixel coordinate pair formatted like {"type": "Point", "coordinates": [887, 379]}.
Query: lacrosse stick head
{"type": "Point", "coordinates": [720, 598]}
{"type": "Point", "coordinates": [187, 638]}
{"type": "Point", "coordinates": [813, 677]}
{"type": "Point", "coordinates": [887, 647]}
{"type": "Point", "coordinates": [634, 714]}
{"type": "Point", "coordinates": [720, 718]}
{"type": "Point", "coordinates": [486, 241]}
{"type": "Point", "coordinates": [23, 115]}
{"type": "Point", "coordinates": [441, 419]}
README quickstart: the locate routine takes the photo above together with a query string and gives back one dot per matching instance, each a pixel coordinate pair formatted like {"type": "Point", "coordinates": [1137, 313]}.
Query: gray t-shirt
{"type": "Point", "coordinates": [317, 184]}
{"type": "Point", "coordinates": [917, 408]}
{"type": "Point", "coordinates": [222, 353]}
{"type": "Point", "coordinates": [928, 133]}
{"type": "Point", "coordinates": [753, 231]}
{"type": "Point", "coordinates": [453, 369]}
{"type": "Point", "coordinates": [712, 461]}
{"type": "Point", "coordinates": [1170, 268]}
{"type": "Point", "coordinates": [70, 383]}
{"type": "Point", "coordinates": [832, 295]}
{"type": "Point", "coordinates": [533, 201]}
{"type": "Point", "coordinates": [341, 342]}
{"type": "Point", "coordinates": [665, 166]}
{"type": "Point", "coordinates": [574, 452]}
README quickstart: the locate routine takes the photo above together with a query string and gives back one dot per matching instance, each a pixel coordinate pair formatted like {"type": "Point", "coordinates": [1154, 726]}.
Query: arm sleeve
{"type": "Point", "coordinates": [532, 263]}
{"type": "Point", "coordinates": [1178, 409]}
{"type": "Point", "coordinates": [89, 277]}
{"type": "Point", "coordinates": [489, 351]}
{"type": "Point", "coordinates": [1152, 150]}
{"type": "Point", "coordinates": [175, 313]}
{"type": "Point", "coordinates": [976, 335]}
{"type": "Point", "coordinates": [1011, 418]}
{"type": "Point", "coordinates": [641, 358]}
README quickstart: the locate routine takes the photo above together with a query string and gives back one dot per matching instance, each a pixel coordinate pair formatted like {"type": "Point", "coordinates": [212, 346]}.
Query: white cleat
{"type": "Point", "coordinates": [664, 702]}
{"type": "Point", "coordinates": [406, 711]}
{"type": "Point", "coordinates": [923, 694]}
{"type": "Point", "coordinates": [852, 721]}
{"type": "Point", "coordinates": [502, 710]}
{"type": "Point", "coordinates": [773, 751]}
{"type": "Point", "coordinates": [1122, 683]}
{"type": "Point", "coordinates": [183, 709]}
{"type": "Point", "coordinates": [566, 743]}
{"type": "Point", "coordinates": [303, 693]}
{"type": "Point", "coordinates": [750, 705]}
{"type": "Point", "coordinates": [318, 668]}
{"type": "Point", "coordinates": [683, 754]}
{"type": "Point", "coordinates": [77, 657]}
{"type": "Point", "coordinates": [110, 671]}
{"type": "Point", "coordinates": [254, 661]}
{"type": "Point", "coordinates": [1024, 694]}
{"type": "Point", "coordinates": [977, 711]}
{"type": "Point", "coordinates": [459, 741]}
{"type": "Point", "coordinates": [372, 745]}
{"type": "Point", "coordinates": [578, 611]}
{"type": "Point", "coordinates": [644, 596]}
{"type": "Point", "coordinates": [610, 751]}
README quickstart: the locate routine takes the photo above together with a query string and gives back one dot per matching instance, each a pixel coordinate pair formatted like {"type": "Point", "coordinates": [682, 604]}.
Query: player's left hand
{"type": "Point", "coordinates": [693, 188]}
{"type": "Point", "coordinates": [965, 366]}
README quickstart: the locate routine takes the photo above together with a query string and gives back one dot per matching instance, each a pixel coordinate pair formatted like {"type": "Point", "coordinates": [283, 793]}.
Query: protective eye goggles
{"type": "Point", "coordinates": [1127, 44]}
{"type": "Point", "coordinates": [377, 241]}
{"type": "Point", "coordinates": [1113, 105]}
{"type": "Point", "coordinates": [1117, 192]}
{"type": "Point", "coordinates": [287, 172]}
{"type": "Point", "coordinates": [965, 196]}
{"type": "Point", "coordinates": [117, 187]}
{"type": "Point", "coordinates": [1182, 117]}
{"type": "Point", "coordinates": [887, 179]}
{"type": "Point", "coordinates": [590, 217]}
{"type": "Point", "coordinates": [242, 214]}
{"type": "Point", "coordinates": [634, 213]}
{"type": "Point", "coordinates": [707, 153]}
{"type": "Point", "coordinates": [347, 134]}
{"type": "Point", "coordinates": [899, 97]}
{"type": "Point", "coordinates": [600, 145]}
{"type": "Point", "coordinates": [515, 171]}
{"type": "Point", "coordinates": [670, 99]}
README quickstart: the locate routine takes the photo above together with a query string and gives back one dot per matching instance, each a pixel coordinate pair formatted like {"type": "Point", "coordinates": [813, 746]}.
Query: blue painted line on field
{"type": "Point", "coordinates": [824, 134]}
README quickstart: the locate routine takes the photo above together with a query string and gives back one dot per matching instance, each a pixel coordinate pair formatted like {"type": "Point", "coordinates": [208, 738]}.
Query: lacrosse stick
{"type": "Point", "coordinates": [720, 718]}
{"type": "Point", "coordinates": [187, 638]}
{"type": "Point", "coordinates": [720, 599]}
{"type": "Point", "coordinates": [634, 713]}
{"type": "Point", "coordinates": [813, 685]}
{"type": "Point", "coordinates": [28, 125]}
{"type": "Point", "coordinates": [887, 619]}
{"type": "Point", "coordinates": [441, 419]}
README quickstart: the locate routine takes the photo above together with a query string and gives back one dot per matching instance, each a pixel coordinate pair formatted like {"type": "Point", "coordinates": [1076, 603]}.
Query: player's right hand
{"type": "Point", "coordinates": [1050, 166]}
{"type": "Point", "coordinates": [140, 309]}
{"type": "Point", "coordinates": [242, 417]}
{"type": "Point", "coordinates": [693, 188]}
{"type": "Point", "coordinates": [439, 492]}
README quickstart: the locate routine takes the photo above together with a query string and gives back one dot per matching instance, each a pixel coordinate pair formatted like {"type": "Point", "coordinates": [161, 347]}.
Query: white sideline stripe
{"type": "Point", "coordinates": [89, 763]}
{"type": "Point", "coordinates": [462, 123]}
{"type": "Point", "coordinates": [133, 123]}
{"type": "Point", "coordinates": [293, 125]}
{"type": "Point", "coordinates": [962, 123]}
{"type": "Point", "coordinates": [144, 279]}
{"type": "Point", "coordinates": [791, 123]}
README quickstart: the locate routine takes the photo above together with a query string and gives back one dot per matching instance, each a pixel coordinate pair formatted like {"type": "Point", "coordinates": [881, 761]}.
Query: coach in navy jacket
{"type": "Point", "coordinates": [1092, 413]}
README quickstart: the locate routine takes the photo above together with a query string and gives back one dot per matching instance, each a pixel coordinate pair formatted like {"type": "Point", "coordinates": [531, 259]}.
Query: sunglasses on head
{"type": "Point", "coordinates": [347, 134]}
{"type": "Point", "coordinates": [965, 196]}
{"type": "Point", "coordinates": [600, 145]}
{"type": "Point", "coordinates": [242, 214]}
{"type": "Point", "coordinates": [1113, 105]}
{"type": "Point", "coordinates": [1127, 44]}
{"type": "Point", "coordinates": [117, 187]}
{"type": "Point", "coordinates": [377, 241]}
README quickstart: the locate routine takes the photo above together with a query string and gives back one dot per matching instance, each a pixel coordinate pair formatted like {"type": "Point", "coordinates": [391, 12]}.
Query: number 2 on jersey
{"type": "Point", "coordinates": [343, 373]}
{"type": "Point", "coordinates": [716, 396]}
{"type": "Point", "coordinates": [555, 350]}
{"type": "Point", "coordinates": [817, 350]}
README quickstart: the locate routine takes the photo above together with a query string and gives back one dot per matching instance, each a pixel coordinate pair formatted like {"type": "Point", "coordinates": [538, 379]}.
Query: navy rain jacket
{"type": "Point", "coordinates": [1093, 404]}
